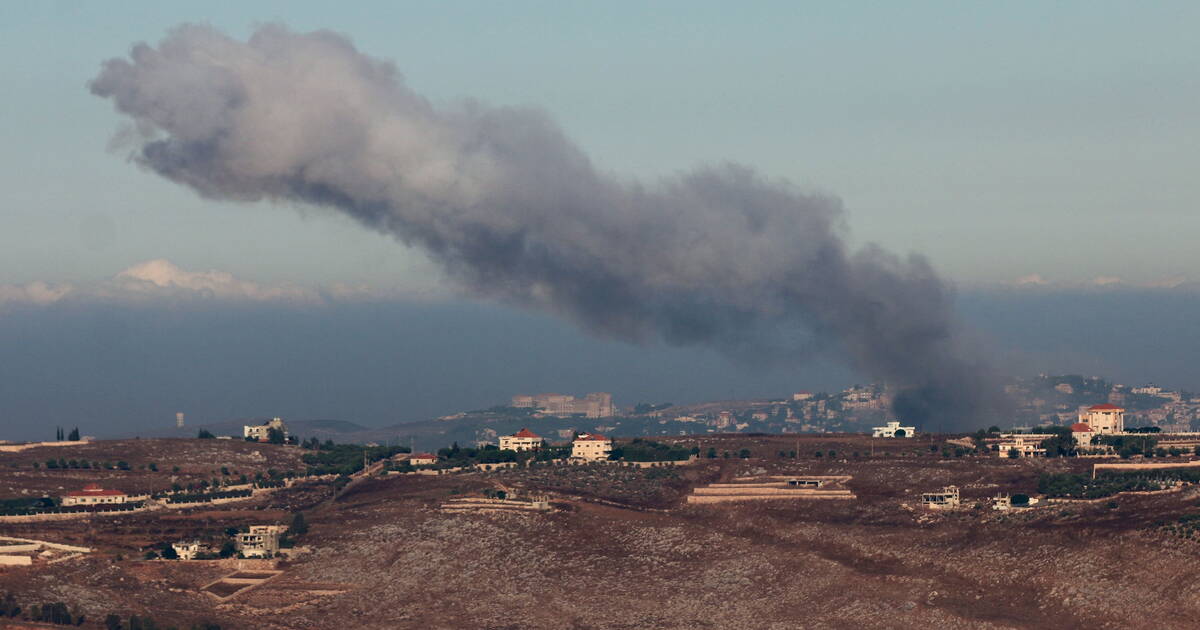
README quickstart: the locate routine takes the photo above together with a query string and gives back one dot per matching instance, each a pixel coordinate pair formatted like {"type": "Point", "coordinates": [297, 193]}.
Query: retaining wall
{"type": "Point", "coordinates": [16, 448]}
{"type": "Point", "coordinates": [48, 545]}
{"type": "Point", "coordinates": [821, 494]}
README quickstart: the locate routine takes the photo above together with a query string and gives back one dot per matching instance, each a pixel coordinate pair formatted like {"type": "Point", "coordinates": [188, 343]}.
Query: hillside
{"type": "Point", "coordinates": [620, 548]}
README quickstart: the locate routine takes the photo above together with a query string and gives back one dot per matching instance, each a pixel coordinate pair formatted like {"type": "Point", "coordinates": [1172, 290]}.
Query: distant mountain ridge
{"type": "Point", "coordinates": [322, 428]}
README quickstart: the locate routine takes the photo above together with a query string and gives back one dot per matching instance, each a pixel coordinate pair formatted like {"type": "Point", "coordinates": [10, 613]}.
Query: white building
{"type": "Point", "coordinates": [262, 432]}
{"type": "Point", "coordinates": [1025, 444]}
{"type": "Point", "coordinates": [798, 396]}
{"type": "Point", "coordinates": [1104, 419]}
{"type": "Point", "coordinates": [189, 550]}
{"type": "Point", "coordinates": [893, 429]}
{"type": "Point", "coordinates": [946, 499]}
{"type": "Point", "coordinates": [93, 494]}
{"type": "Point", "coordinates": [422, 459]}
{"type": "Point", "coordinates": [523, 440]}
{"type": "Point", "coordinates": [262, 541]}
{"type": "Point", "coordinates": [591, 447]}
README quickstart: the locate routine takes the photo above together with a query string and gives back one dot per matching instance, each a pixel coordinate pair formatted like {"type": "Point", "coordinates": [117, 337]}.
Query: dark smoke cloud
{"type": "Point", "coordinates": [514, 211]}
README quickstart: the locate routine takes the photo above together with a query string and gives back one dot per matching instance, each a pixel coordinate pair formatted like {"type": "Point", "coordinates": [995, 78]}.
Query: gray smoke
{"type": "Point", "coordinates": [514, 211]}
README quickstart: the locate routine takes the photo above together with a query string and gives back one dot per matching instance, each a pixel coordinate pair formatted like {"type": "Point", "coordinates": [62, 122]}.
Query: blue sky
{"type": "Point", "coordinates": [1000, 139]}
{"type": "Point", "coordinates": [1048, 141]}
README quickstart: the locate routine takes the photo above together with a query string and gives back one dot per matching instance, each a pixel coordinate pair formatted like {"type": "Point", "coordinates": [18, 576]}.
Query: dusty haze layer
{"type": "Point", "coordinates": [512, 210]}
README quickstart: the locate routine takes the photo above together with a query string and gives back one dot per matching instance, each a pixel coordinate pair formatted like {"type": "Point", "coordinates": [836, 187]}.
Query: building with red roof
{"type": "Point", "coordinates": [1104, 419]}
{"type": "Point", "coordinates": [422, 459]}
{"type": "Point", "coordinates": [591, 447]}
{"type": "Point", "coordinates": [523, 440]}
{"type": "Point", "coordinates": [1083, 433]}
{"type": "Point", "coordinates": [93, 494]}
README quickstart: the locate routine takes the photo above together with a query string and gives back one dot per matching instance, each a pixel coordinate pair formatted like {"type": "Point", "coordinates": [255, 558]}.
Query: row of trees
{"type": "Point", "coordinates": [61, 435]}
{"type": "Point", "coordinates": [59, 613]}
{"type": "Point", "coordinates": [743, 454]}
{"type": "Point", "coordinates": [114, 622]}
{"type": "Point", "coordinates": [84, 464]}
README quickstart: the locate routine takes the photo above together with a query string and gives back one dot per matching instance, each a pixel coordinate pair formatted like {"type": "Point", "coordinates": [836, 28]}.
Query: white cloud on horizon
{"type": "Point", "coordinates": [1038, 281]}
{"type": "Point", "coordinates": [160, 279]}
{"type": "Point", "coordinates": [1033, 278]}
{"type": "Point", "coordinates": [162, 275]}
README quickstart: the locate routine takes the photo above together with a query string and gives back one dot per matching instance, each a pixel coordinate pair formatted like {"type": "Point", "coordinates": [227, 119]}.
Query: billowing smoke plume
{"type": "Point", "coordinates": [513, 210]}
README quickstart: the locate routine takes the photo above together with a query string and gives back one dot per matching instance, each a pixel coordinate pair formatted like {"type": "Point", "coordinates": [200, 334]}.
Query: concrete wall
{"type": "Point", "coordinates": [1118, 467]}
{"type": "Point", "coordinates": [64, 516]}
{"type": "Point", "coordinates": [24, 548]}
{"type": "Point", "coordinates": [16, 448]}
{"type": "Point", "coordinates": [829, 494]}
{"type": "Point", "coordinates": [48, 545]}
{"type": "Point", "coordinates": [762, 492]}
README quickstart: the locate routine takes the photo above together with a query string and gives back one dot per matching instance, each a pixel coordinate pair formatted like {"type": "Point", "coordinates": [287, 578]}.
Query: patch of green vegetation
{"type": "Point", "coordinates": [641, 450]}
{"type": "Point", "coordinates": [1108, 484]}
{"type": "Point", "coordinates": [346, 459]}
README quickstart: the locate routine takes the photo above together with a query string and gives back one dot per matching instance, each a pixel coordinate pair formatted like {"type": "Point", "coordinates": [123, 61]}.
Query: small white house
{"type": "Point", "coordinates": [894, 430]}
{"type": "Point", "coordinates": [188, 550]}
{"type": "Point", "coordinates": [93, 494]}
{"type": "Point", "coordinates": [422, 459]}
{"type": "Point", "coordinates": [1025, 444]}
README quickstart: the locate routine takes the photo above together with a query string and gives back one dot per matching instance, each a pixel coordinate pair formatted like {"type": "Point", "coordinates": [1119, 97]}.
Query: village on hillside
{"type": "Point", "coordinates": [223, 528]}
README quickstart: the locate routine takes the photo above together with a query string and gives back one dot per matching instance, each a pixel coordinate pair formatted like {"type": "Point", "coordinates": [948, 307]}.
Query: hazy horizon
{"type": "Point", "coordinates": [114, 367]}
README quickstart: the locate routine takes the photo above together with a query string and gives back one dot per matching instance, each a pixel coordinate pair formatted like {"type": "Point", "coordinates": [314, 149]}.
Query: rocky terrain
{"type": "Point", "coordinates": [619, 549]}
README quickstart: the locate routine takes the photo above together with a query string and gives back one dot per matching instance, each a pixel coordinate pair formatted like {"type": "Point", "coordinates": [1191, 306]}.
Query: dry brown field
{"type": "Point", "coordinates": [622, 550]}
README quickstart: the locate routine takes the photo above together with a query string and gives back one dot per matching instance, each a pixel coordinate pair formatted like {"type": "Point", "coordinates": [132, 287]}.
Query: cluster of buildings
{"type": "Point", "coordinates": [258, 541]}
{"type": "Point", "coordinates": [594, 405]}
{"type": "Point", "coordinates": [1093, 421]}
{"type": "Point", "coordinates": [1055, 399]}
{"type": "Point", "coordinates": [586, 446]}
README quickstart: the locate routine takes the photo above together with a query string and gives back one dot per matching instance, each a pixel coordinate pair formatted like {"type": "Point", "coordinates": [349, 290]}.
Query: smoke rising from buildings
{"type": "Point", "coordinates": [512, 210]}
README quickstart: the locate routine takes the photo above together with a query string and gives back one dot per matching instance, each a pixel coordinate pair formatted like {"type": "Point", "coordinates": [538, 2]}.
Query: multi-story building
{"type": "Point", "coordinates": [591, 447]}
{"type": "Point", "coordinates": [948, 498]}
{"type": "Point", "coordinates": [523, 440]}
{"type": "Point", "coordinates": [1104, 419]}
{"type": "Point", "coordinates": [93, 494]}
{"type": "Point", "coordinates": [594, 405]}
{"type": "Point", "coordinates": [262, 432]}
{"type": "Point", "coordinates": [262, 541]}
